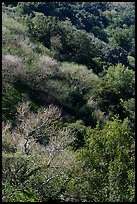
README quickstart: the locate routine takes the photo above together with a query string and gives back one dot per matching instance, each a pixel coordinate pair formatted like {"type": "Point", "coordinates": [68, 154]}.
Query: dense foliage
{"type": "Point", "coordinates": [68, 102]}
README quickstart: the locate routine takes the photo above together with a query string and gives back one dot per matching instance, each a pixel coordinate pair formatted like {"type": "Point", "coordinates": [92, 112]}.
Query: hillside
{"type": "Point", "coordinates": [68, 102]}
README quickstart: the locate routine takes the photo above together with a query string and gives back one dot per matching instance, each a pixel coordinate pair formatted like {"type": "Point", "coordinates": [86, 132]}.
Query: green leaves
{"type": "Point", "coordinates": [118, 83]}
{"type": "Point", "coordinates": [10, 99]}
{"type": "Point", "coordinates": [108, 153]}
{"type": "Point", "coordinates": [121, 79]}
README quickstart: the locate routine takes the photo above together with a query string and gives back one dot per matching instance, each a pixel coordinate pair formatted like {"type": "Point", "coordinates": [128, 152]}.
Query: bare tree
{"type": "Point", "coordinates": [51, 161]}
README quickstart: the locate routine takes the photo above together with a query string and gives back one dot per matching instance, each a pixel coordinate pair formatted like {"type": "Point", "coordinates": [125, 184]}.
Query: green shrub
{"type": "Point", "coordinates": [108, 155]}
{"type": "Point", "coordinates": [79, 75]}
{"type": "Point", "coordinates": [11, 97]}
{"type": "Point", "coordinates": [131, 61]}
{"type": "Point", "coordinates": [80, 132]}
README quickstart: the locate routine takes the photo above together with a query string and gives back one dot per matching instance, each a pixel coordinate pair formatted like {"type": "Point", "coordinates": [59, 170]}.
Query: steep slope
{"type": "Point", "coordinates": [68, 103]}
